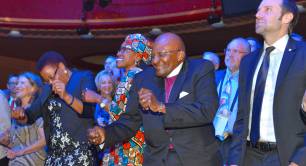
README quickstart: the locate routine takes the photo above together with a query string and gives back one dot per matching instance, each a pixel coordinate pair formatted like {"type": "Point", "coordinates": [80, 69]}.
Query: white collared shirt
{"type": "Point", "coordinates": [176, 71]}
{"type": "Point", "coordinates": [267, 133]}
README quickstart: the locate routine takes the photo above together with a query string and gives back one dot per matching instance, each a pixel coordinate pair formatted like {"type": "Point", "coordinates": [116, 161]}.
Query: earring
{"type": "Point", "coordinates": [65, 71]}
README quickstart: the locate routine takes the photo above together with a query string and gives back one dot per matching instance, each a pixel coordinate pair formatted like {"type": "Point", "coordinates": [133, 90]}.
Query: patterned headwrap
{"type": "Point", "coordinates": [140, 45]}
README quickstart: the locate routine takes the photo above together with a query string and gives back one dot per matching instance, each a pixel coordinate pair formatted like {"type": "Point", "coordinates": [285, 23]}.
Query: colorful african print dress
{"type": "Point", "coordinates": [129, 152]}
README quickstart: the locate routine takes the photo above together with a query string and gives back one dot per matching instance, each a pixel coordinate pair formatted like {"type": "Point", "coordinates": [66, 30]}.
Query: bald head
{"type": "Point", "coordinates": [169, 52]}
{"type": "Point", "coordinates": [171, 39]}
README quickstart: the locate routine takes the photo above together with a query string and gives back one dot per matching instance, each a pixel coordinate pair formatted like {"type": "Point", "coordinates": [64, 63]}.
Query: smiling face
{"type": "Point", "coordinates": [168, 53]}
{"type": "Point", "coordinates": [24, 88]}
{"type": "Point", "coordinates": [126, 58]}
{"type": "Point", "coordinates": [106, 85]}
{"type": "Point", "coordinates": [54, 72]}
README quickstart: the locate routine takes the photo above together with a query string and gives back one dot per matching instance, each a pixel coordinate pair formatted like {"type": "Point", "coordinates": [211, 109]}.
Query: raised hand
{"type": "Point", "coordinates": [91, 96]}
{"type": "Point", "coordinates": [148, 101]}
{"type": "Point", "coordinates": [59, 88]}
{"type": "Point", "coordinates": [96, 135]}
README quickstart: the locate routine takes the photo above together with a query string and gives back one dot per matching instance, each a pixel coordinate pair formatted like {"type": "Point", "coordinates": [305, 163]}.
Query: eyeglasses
{"type": "Point", "coordinates": [235, 51]}
{"type": "Point", "coordinates": [166, 53]}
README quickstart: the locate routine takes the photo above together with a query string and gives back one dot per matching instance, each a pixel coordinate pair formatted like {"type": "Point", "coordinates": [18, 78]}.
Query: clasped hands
{"type": "Point", "coordinates": [147, 100]}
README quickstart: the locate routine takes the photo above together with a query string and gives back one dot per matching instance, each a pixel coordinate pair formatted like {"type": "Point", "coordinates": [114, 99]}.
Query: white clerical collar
{"type": "Point", "coordinates": [176, 71]}
{"type": "Point", "coordinates": [280, 44]}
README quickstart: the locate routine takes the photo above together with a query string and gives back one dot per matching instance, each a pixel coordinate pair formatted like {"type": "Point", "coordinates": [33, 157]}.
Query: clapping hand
{"type": "Point", "coordinates": [148, 100]}
{"type": "Point", "coordinates": [91, 96]}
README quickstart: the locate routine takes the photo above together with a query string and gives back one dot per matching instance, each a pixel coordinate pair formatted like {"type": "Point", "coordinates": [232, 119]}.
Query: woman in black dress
{"type": "Point", "coordinates": [65, 115]}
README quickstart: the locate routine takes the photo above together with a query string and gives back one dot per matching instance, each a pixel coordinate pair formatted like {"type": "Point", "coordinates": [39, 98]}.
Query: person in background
{"type": "Point", "coordinates": [10, 92]}
{"type": "Point", "coordinates": [213, 57]}
{"type": "Point", "coordinates": [254, 43]}
{"type": "Point", "coordinates": [296, 37]}
{"type": "Point", "coordinates": [66, 117]}
{"type": "Point", "coordinates": [134, 49]}
{"type": "Point", "coordinates": [228, 93]}
{"type": "Point", "coordinates": [5, 125]}
{"type": "Point", "coordinates": [27, 142]}
{"type": "Point", "coordinates": [106, 86]}
{"type": "Point", "coordinates": [272, 82]}
{"type": "Point", "coordinates": [175, 102]}
{"type": "Point", "coordinates": [111, 67]}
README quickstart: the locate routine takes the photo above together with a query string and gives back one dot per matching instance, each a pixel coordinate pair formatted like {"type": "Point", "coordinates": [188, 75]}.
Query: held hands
{"type": "Point", "coordinates": [96, 135]}
{"type": "Point", "coordinates": [148, 101]}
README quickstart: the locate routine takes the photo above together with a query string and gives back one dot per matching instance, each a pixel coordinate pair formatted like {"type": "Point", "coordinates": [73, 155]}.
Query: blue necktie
{"type": "Point", "coordinates": [258, 95]}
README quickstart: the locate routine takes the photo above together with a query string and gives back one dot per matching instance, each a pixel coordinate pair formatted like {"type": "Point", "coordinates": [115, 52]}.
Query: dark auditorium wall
{"type": "Point", "coordinates": [9, 65]}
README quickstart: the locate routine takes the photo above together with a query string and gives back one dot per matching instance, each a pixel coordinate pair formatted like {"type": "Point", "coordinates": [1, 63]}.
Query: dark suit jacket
{"type": "Point", "coordinates": [187, 123]}
{"type": "Point", "coordinates": [220, 74]}
{"type": "Point", "coordinates": [303, 115]}
{"type": "Point", "coordinates": [75, 124]}
{"type": "Point", "coordinates": [289, 91]}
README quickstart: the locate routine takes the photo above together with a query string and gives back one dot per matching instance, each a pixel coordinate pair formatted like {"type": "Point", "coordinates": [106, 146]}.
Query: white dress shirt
{"type": "Point", "coordinates": [267, 133]}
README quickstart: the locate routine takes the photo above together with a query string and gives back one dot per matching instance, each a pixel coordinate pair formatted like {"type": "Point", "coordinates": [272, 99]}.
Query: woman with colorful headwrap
{"type": "Point", "coordinates": [134, 49]}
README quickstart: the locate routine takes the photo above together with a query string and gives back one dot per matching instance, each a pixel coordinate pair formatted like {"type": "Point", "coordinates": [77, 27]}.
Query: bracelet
{"type": "Point", "coordinates": [72, 100]}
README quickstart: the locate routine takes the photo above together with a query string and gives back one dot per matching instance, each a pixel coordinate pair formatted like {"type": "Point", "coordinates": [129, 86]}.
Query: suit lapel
{"type": "Point", "coordinates": [177, 87]}
{"type": "Point", "coordinates": [288, 57]}
{"type": "Point", "coordinates": [160, 92]}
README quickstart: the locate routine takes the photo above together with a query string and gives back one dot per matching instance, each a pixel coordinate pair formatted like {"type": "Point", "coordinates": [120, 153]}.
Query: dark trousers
{"type": "Point", "coordinates": [225, 148]}
{"type": "Point", "coordinates": [4, 161]}
{"type": "Point", "coordinates": [173, 159]}
{"type": "Point", "coordinates": [255, 157]}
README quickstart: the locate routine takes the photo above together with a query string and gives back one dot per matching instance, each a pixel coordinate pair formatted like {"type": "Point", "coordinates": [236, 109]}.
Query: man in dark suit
{"type": "Point", "coordinates": [272, 81]}
{"type": "Point", "coordinates": [176, 102]}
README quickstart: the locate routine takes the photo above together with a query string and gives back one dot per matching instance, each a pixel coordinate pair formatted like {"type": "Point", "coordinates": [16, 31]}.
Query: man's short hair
{"type": "Point", "coordinates": [290, 6]}
{"type": "Point", "coordinates": [50, 58]}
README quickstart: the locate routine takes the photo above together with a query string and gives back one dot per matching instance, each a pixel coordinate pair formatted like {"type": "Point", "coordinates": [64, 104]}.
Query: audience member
{"type": "Point", "coordinates": [10, 92]}
{"type": "Point", "coordinates": [212, 57]}
{"type": "Point", "coordinates": [27, 142]}
{"type": "Point", "coordinates": [254, 43]}
{"type": "Point", "coordinates": [5, 125]}
{"type": "Point", "coordinates": [111, 67]}
{"type": "Point", "coordinates": [228, 93]}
